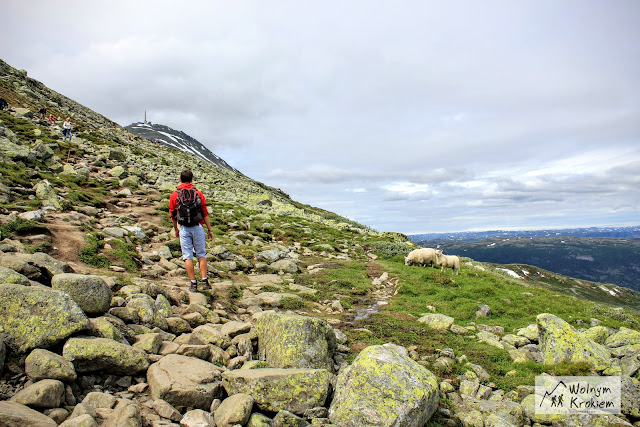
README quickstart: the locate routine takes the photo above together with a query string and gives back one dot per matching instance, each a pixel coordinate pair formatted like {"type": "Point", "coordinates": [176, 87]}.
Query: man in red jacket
{"type": "Point", "coordinates": [188, 215]}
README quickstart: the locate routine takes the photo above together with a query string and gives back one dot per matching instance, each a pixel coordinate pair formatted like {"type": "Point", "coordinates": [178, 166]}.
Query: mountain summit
{"type": "Point", "coordinates": [176, 139]}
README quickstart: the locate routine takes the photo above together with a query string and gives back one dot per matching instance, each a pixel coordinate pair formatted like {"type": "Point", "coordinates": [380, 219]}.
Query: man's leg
{"type": "Point", "coordinates": [188, 264]}
{"type": "Point", "coordinates": [202, 261]}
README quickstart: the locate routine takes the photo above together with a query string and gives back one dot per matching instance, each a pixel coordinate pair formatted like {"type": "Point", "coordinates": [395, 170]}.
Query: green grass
{"type": "Point", "coordinates": [91, 255]}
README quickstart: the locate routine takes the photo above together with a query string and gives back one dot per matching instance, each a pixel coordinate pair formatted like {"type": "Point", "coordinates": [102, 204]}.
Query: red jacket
{"type": "Point", "coordinates": [173, 201]}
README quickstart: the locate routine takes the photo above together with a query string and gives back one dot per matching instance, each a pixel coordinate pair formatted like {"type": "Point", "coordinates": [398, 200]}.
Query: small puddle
{"type": "Point", "coordinates": [364, 313]}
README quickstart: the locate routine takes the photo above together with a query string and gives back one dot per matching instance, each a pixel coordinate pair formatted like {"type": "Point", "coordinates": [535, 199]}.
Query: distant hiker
{"type": "Point", "coordinates": [43, 112]}
{"type": "Point", "coordinates": [3, 104]}
{"type": "Point", "coordinates": [66, 129]}
{"type": "Point", "coordinates": [188, 209]}
{"type": "Point", "coordinates": [51, 119]}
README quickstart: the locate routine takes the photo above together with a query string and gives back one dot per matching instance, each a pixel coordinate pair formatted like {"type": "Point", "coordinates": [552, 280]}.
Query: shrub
{"type": "Point", "coordinates": [90, 253]}
{"type": "Point", "coordinates": [127, 253]}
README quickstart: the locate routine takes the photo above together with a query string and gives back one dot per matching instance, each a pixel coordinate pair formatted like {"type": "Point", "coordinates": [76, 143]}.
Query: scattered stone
{"type": "Point", "coordinates": [42, 394]}
{"type": "Point", "coordinates": [439, 322]}
{"type": "Point", "coordinates": [103, 354]}
{"type": "Point", "coordinates": [17, 415]}
{"type": "Point", "coordinates": [43, 364]}
{"type": "Point", "coordinates": [235, 409]}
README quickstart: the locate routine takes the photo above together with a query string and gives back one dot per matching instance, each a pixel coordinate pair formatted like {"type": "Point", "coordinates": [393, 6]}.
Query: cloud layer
{"type": "Point", "coordinates": [412, 117]}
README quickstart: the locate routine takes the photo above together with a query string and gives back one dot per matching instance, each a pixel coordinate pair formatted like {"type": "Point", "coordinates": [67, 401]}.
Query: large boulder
{"type": "Point", "coordinates": [293, 341]}
{"type": "Point", "coordinates": [234, 410]}
{"type": "Point", "coordinates": [44, 364]}
{"type": "Point", "coordinates": [184, 381]}
{"type": "Point", "coordinates": [47, 194]}
{"type": "Point", "coordinates": [92, 293]}
{"type": "Point", "coordinates": [105, 355]}
{"type": "Point", "coordinates": [35, 317]}
{"type": "Point", "coordinates": [294, 390]}
{"type": "Point", "coordinates": [39, 266]}
{"type": "Point", "coordinates": [17, 415]}
{"type": "Point", "coordinates": [384, 387]}
{"type": "Point", "coordinates": [560, 342]}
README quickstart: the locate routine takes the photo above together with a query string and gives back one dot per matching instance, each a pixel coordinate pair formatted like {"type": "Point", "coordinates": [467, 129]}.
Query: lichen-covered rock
{"type": "Point", "coordinates": [125, 414]}
{"type": "Point", "coordinates": [384, 387]}
{"type": "Point", "coordinates": [294, 390]}
{"type": "Point", "coordinates": [510, 411]}
{"type": "Point", "coordinates": [530, 332]}
{"type": "Point", "coordinates": [102, 327]}
{"type": "Point", "coordinates": [287, 419]}
{"type": "Point", "coordinates": [624, 337]}
{"type": "Point", "coordinates": [35, 317]}
{"type": "Point", "coordinates": [43, 364]}
{"type": "Point", "coordinates": [235, 409]}
{"type": "Point", "coordinates": [209, 334]}
{"type": "Point", "coordinates": [598, 334]}
{"type": "Point", "coordinates": [437, 321]}
{"type": "Point", "coordinates": [47, 194]}
{"type": "Point", "coordinates": [106, 355]}
{"type": "Point", "coordinates": [17, 415]}
{"type": "Point", "coordinates": [293, 341]}
{"type": "Point", "coordinates": [630, 396]}
{"type": "Point", "coordinates": [184, 381]}
{"type": "Point", "coordinates": [41, 394]}
{"type": "Point", "coordinates": [92, 293]}
{"type": "Point", "coordinates": [8, 275]}
{"type": "Point", "coordinates": [259, 420]}
{"type": "Point", "coordinates": [39, 266]}
{"type": "Point", "coordinates": [560, 342]}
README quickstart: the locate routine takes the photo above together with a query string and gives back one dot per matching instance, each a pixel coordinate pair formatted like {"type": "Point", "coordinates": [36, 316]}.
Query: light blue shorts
{"type": "Point", "coordinates": [193, 238]}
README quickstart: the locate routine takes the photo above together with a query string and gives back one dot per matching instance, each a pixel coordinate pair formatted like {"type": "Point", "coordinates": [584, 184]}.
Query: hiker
{"type": "Point", "coordinates": [51, 119]}
{"type": "Point", "coordinates": [3, 104]}
{"type": "Point", "coordinates": [66, 129]}
{"type": "Point", "coordinates": [188, 209]}
{"type": "Point", "coordinates": [43, 112]}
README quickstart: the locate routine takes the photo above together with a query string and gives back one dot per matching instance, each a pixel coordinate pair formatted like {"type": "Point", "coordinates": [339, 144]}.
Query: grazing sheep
{"type": "Point", "coordinates": [448, 261]}
{"type": "Point", "coordinates": [422, 256]}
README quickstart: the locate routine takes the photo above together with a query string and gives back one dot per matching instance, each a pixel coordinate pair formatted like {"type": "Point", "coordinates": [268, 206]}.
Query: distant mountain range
{"type": "Point", "coordinates": [605, 255]}
{"type": "Point", "coordinates": [472, 236]}
{"type": "Point", "coordinates": [176, 139]}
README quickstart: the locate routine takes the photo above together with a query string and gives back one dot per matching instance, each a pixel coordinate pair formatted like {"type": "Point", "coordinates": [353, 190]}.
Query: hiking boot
{"type": "Point", "coordinates": [193, 287]}
{"type": "Point", "coordinates": [205, 284]}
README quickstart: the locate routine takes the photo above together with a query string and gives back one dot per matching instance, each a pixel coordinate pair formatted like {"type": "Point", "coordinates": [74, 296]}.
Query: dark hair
{"type": "Point", "coordinates": [186, 176]}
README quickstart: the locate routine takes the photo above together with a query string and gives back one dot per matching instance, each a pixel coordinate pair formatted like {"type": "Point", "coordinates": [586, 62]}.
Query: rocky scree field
{"type": "Point", "coordinates": [312, 320]}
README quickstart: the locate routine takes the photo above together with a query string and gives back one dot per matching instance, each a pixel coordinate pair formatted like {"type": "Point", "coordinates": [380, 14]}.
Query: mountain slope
{"type": "Point", "coordinates": [597, 259]}
{"type": "Point", "coordinates": [178, 140]}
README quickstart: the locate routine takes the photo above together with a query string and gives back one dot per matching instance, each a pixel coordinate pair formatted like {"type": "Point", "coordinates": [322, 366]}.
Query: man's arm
{"type": "Point", "coordinates": [209, 232]}
{"type": "Point", "coordinates": [175, 227]}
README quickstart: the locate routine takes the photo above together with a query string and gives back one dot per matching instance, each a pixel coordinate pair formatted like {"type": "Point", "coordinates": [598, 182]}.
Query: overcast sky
{"type": "Point", "coordinates": [408, 116]}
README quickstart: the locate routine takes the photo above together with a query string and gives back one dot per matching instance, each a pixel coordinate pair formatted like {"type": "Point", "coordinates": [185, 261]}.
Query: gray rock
{"type": "Point", "coordinates": [437, 321]}
{"type": "Point", "coordinates": [84, 420]}
{"type": "Point", "coordinates": [235, 409]}
{"type": "Point", "coordinates": [125, 414]}
{"type": "Point", "coordinates": [198, 418]}
{"type": "Point", "coordinates": [100, 400]}
{"type": "Point", "coordinates": [273, 391]}
{"type": "Point", "coordinates": [285, 265]}
{"type": "Point", "coordinates": [39, 266]}
{"type": "Point", "coordinates": [184, 381]}
{"type": "Point", "coordinates": [483, 311]}
{"type": "Point", "coordinates": [103, 354]}
{"type": "Point", "coordinates": [383, 386]}
{"type": "Point", "coordinates": [34, 317]}
{"type": "Point", "coordinates": [17, 415]}
{"type": "Point", "coordinates": [43, 364]}
{"type": "Point", "coordinates": [166, 410]}
{"type": "Point", "coordinates": [42, 394]}
{"type": "Point", "coordinates": [510, 411]}
{"type": "Point", "coordinates": [292, 341]}
{"type": "Point", "coordinates": [92, 293]}
{"type": "Point", "coordinates": [259, 420]}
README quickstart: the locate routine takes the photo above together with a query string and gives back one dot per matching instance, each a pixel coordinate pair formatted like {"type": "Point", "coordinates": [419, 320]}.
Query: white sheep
{"type": "Point", "coordinates": [422, 256]}
{"type": "Point", "coordinates": [448, 261]}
